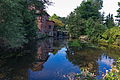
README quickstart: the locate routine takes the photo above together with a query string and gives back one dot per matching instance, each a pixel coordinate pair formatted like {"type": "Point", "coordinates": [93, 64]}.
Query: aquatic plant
{"type": "Point", "coordinates": [83, 75]}
{"type": "Point", "coordinates": [114, 73]}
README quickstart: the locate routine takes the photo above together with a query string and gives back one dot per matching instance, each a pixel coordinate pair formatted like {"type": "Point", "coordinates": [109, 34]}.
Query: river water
{"type": "Point", "coordinates": [53, 59]}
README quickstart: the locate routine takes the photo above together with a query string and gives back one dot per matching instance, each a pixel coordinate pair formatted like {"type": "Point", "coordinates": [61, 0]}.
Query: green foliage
{"type": "Point", "coordinates": [75, 43]}
{"type": "Point", "coordinates": [114, 74]}
{"type": "Point", "coordinates": [54, 16]}
{"type": "Point", "coordinates": [89, 8]}
{"type": "Point", "coordinates": [39, 35]}
{"type": "Point", "coordinates": [75, 25]}
{"type": "Point", "coordinates": [118, 63]}
{"type": "Point", "coordinates": [11, 30]}
{"type": "Point", "coordinates": [109, 22]}
{"type": "Point", "coordinates": [94, 29]}
{"type": "Point", "coordinates": [86, 20]}
{"type": "Point", "coordinates": [111, 35]}
{"type": "Point", "coordinates": [17, 22]}
{"type": "Point", "coordinates": [58, 23]}
{"type": "Point", "coordinates": [118, 16]}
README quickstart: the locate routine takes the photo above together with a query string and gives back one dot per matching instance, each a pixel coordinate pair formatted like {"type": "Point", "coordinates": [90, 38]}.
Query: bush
{"type": "Point", "coordinates": [111, 35]}
{"type": "Point", "coordinates": [75, 43]}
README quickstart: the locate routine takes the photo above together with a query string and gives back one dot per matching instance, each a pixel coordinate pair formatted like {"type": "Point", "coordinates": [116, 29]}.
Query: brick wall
{"type": "Point", "coordinates": [44, 25]}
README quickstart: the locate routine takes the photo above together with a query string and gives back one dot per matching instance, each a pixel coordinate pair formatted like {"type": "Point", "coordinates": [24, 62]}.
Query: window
{"type": "Point", "coordinates": [49, 26]}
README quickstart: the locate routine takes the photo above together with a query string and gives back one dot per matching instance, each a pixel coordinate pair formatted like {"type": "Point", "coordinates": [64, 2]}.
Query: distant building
{"type": "Point", "coordinates": [45, 26]}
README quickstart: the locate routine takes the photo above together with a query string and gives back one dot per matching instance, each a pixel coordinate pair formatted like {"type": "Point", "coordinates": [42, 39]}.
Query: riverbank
{"type": "Point", "coordinates": [109, 45]}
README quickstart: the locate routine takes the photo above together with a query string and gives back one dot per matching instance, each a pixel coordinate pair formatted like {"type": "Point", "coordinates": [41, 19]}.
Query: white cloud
{"type": "Point", "coordinates": [64, 7]}
{"type": "Point", "coordinates": [110, 6]}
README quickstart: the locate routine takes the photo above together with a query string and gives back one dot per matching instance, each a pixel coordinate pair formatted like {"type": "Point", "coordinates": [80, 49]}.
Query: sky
{"type": "Point", "coordinates": [63, 7]}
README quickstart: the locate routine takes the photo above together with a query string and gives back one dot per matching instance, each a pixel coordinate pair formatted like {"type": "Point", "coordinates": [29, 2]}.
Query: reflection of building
{"type": "Point", "coordinates": [38, 66]}
{"type": "Point", "coordinates": [44, 48]}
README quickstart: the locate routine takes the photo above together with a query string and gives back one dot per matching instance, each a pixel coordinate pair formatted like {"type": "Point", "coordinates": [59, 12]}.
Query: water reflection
{"type": "Point", "coordinates": [44, 47]}
{"type": "Point", "coordinates": [104, 63]}
{"type": "Point", "coordinates": [51, 59]}
{"type": "Point", "coordinates": [93, 59]}
{"type": "Point", "coordinates": [56, 65]}
{"type": "Point", "coordinates": [15, 68]}
{"type": "Point", "coordinates": [85, 58]}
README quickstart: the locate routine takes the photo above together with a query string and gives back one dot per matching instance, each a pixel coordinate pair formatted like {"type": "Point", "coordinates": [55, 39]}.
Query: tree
{"type": "Point", "coordinates": [89, 8]}
{"type": "Point", "coordinates": [17, 22]}
{"type": "Point", "coordinates": [111, 35]}
{"type": "Point", "coordinates": [109, 21]}
{"type": "Point", "coordinates": [75, 25]}
{"type": "Point", "coordinates": [118, 16]}
{"type": "Point", "coordinates": [58, 23]}
{"type": "Point", "coordinates": [85, 19]}
{"type": "Point", "coordinates": [11, 30]}
{"type": "Point", "coordinates": [54, 16]}
{"type": "Point", "coordinates": [94, 29]}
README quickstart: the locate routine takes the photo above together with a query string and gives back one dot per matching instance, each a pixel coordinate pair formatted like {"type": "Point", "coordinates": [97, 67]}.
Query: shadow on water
{"type": "Point", "coordinates": [52, 59]}
{"type": "Point", "coordinates": [14, 64]}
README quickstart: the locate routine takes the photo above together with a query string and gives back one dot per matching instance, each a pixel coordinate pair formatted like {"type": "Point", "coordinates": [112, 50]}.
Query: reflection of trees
{"type": "Point", "coordinates": [17, 63]}
{"type": "Point", "coordinates": [14, 63]}
{"type": "Point", "coordinates": [87, 57]}
{"type": "Point", "coordinates": [59, 43]}
{"type": "Point", "coordinates": [113, 53]}
{"type": "Point", "coordinates": [84, 57]}
{"type": "Point", "coordinates": [15, 68]}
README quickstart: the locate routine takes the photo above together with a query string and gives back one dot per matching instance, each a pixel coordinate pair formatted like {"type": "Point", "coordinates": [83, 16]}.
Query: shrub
{"type": "Point", "coordinates": [111, 35]}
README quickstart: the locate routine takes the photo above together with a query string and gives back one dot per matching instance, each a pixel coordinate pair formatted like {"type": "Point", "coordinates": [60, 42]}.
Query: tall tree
{"type": "Point", "coordinates": [89, 8]}
{"type": "Point", "coordinates": [77, 21]}
{"type": "Point", "coordinates": [118, 16]}
{"type": "Point", "coordinates": [11, 30]}
{"type": "Point", "coordinates": [17, 22]}
{"type": "Point", "coordinates": [109, 21]}
{"type": "Point", "coordinates": [75, 25]}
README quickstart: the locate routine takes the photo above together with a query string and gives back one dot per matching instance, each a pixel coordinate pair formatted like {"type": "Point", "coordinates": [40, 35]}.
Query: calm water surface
{"type": "Point", "coordinates": [53, 59]}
